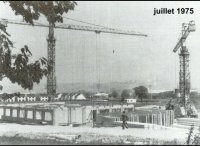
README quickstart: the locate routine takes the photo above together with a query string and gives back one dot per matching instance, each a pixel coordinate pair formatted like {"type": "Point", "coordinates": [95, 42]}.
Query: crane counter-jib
{"type": "Point", "coordinates": [80, 28]}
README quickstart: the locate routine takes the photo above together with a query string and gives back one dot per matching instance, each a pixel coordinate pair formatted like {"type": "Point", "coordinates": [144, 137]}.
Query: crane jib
{"type": "Point", "coordinates": [80, 28]}
{"type": "Point", "coordinates": [191, 28]}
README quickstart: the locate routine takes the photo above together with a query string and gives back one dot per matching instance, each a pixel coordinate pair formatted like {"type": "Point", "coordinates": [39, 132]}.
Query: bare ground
{"type": "Point", "coordinates": [29, 134]}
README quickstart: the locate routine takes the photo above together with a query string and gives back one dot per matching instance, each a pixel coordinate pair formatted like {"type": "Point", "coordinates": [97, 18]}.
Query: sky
{"type": "Point", "coordinates": [87, 57]}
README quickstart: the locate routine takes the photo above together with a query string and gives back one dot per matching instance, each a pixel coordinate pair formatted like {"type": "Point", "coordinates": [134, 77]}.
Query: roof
{"type": "Point", "coordinates": [101, 94]}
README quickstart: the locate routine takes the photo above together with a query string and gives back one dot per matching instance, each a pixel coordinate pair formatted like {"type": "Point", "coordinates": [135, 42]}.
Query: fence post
{"type": "Point", "coordinates": [161, 119]}
{"type": "Point", "coordinates": [146, 118]}
{"type": "Point", "coordinates": [172, 117]}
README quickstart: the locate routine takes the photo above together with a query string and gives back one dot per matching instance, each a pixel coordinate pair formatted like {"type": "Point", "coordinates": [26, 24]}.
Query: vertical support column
{"type": "Point", "coordinates": [168, 117]}
{"type": "Point", "coordinates": [69, 115]}
{"type": "Point", "coordinates": [156, 120]}
{"type": "Point", "coordinates": [161, 119]}
{"type": "Point", "coordinates": [34, 114]}
{"type": "Point", "coordinates": [25, 114]}
{"type": "Point", "coordinates": [172, 117]}
{"type": "Point", "coordinates": [82, 110]}
{"type": "Point", "coordinates": [11, 111]}
{"type": "Point", "coordinates": [43, 115]}
{"type": "Point", "coordinates": [146, 118]}
{"type": "Point", "coordinates": [52, 117]}
{"type": "Point", "coordinates": [18, 112]}
{"type": "Point", "coordinates": [4, 111]}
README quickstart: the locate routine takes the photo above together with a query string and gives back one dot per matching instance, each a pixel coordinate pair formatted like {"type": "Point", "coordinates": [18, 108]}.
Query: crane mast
{"type": "Point", "coordinates": [184, 73]}
{"type": "Point", "coordinates": [51, 78]}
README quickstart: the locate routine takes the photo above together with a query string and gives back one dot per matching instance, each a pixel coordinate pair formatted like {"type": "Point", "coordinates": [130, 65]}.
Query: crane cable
{"type": "Point", "coordinates": [76, 20]}
{"type": "Point", "coordinates": [97, 63]}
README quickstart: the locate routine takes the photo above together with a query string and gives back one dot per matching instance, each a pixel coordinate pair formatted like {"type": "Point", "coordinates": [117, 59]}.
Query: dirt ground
{"type": "Point", "coordinates": [88, 135]}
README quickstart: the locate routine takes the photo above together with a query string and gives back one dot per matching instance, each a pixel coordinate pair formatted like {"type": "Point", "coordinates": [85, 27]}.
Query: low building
{"type": "Point", "coordinates": [80, 97]}
{"type": "Point", "coordinates": [60, 114]}
{"type": "Point", "coordinates": [130, 100]}
{"type": "Point", "coordinates": [100, 96]}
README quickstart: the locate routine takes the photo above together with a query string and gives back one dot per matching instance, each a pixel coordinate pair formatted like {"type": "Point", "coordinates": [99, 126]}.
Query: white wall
{"type": "Point", "coordinates": [61, 116]}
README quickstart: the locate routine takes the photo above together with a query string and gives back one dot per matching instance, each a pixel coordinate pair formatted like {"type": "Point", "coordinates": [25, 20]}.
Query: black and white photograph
{"type": "Point", "coordinates": [99, 73]}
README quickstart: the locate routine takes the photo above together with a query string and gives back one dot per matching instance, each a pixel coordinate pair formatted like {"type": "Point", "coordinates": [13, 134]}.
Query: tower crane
{"type": "Point", "coordinates": [184, 73]}
{"type": "Point", "coordinates": [51, 78]}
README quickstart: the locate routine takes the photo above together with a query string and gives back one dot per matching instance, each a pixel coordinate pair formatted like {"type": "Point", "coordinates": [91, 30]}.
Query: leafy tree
{"type": "Point", "coordinates": [17, 67]}
{"type": "Point", "coordinates": [52, 10]}
{"type": "Point", "coordinates": [115, 94]}
{"type": "Point", "coordinates": [141, 92]}
{"type": "Point", "coordinates": [170, 105]}
{"type": "Point", "coordinates": [125, 94]}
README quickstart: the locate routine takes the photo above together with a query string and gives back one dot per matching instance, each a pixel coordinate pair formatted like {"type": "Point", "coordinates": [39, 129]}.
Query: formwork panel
{"type": "Point", "coordinates": [73, 115]}
{"type": "Point", "coordinates": [38, 115]}
{"type": "Point", "coordinates": [30, 114]}
{"type": "Point", "coordinates": [14, 113]}
{"type": "Point", "coordinates": [79, 115]}
{"type": "Point", "coordinates": [61, 116]}
{"type": "Point", "coordinates": [7, 112]}
{"type": "Point", "coordinates": [47, 116]}
{"type": "Point", "coordinates": [22, 113]}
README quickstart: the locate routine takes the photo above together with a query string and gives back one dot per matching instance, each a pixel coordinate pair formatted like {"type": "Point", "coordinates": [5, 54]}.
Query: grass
{"type": "Point", "coordinates": [18, 140]}
{"type": "Point", "coordinates": [84, 140]}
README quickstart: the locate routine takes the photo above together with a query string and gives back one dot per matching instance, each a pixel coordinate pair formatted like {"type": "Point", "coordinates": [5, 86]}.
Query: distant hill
{"type": "Point", "coordinates": [104, 87]}
{"type": "Point", "coordinates": [89, 86]}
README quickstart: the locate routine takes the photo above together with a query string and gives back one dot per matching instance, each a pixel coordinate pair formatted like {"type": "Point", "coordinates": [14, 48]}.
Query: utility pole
{"type": "Point", "coordinates": [51, 78]}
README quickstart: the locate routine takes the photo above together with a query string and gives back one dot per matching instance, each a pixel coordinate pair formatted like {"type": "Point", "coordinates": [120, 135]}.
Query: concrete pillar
{"type": "Point", "coordinates": [18, 110]}
{"type": "Point", "coordinates": [69, 115]}
{"type": "Point", "coordinates": [43, 115]}
{"type": "Point", "coordinates": [164, 119]}
{"type": "Point", "coordinates": [172, 117]}
{"type": "Point", "coordinates": [167, 118]}
{"type": "Point", "coordinates": [52, 117]}
{"type": "Point", "coordinates": [156, 121]}
{"type": "Point", "coordinates": [153, 120]}
{"type": "Point", "coordinates": [146, 118]}
{"type": "Point", "coordinates": [4, 111]}
{"type": "Point", "coordinates": [82, 109]}
{"type": "Point", "coordinates": [34, 114]}
{"type": "Point", "coordinates": [160, 118]}
{"type": "Point", "coordinates": [11, 112]}
{"type": "Point", "coordinates": [25, 114]}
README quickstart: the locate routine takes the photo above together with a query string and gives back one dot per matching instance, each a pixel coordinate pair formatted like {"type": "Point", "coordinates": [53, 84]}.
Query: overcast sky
{"type": "Point", "coordinates": [87, 57]}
